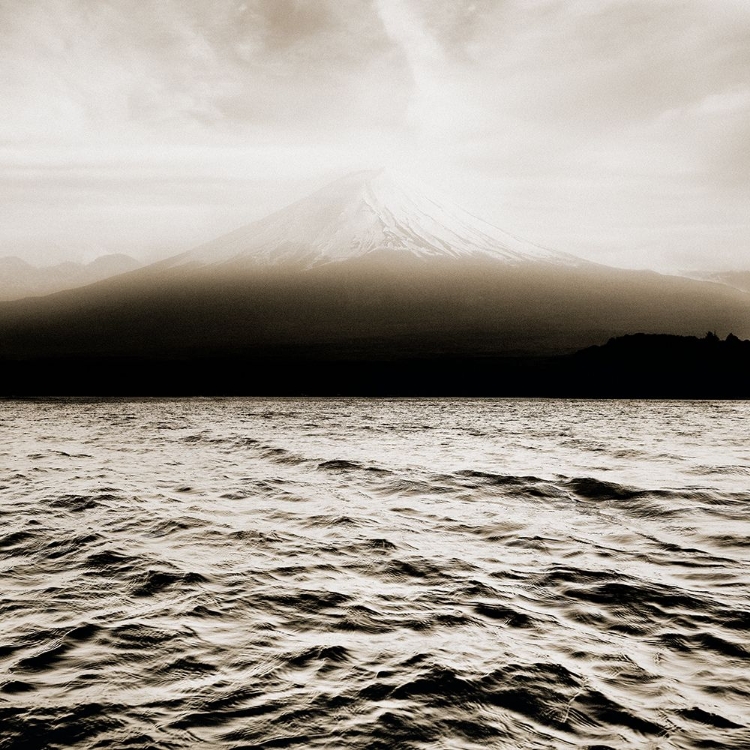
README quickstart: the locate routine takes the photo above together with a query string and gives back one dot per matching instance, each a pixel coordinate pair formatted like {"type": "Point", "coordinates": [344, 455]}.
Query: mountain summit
{"type": "Point", "coordinates": [368, 214]}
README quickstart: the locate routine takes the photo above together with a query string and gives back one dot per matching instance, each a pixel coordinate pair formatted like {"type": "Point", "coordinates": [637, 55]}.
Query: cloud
{"type": "Point", "coordinates": [187, 68]}
{"type": "Point", "coordinates": [562, 118]}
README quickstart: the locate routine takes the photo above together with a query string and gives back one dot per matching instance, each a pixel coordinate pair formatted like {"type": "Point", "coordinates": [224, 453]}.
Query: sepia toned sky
{"type": "Point", "coordinates": [617, 130]}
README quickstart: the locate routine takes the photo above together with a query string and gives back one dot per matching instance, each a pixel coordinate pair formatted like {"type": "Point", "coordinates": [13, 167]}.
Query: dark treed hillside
{"type": "Point", "coordinates": [637, 366]}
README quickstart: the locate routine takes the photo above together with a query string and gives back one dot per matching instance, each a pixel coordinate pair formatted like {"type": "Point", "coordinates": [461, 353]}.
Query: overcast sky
{"type": "Point", "coordinates": [617, 130]}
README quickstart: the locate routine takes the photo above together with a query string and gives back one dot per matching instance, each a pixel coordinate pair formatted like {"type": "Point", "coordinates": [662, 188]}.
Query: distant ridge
{"type": "Point", "coordinates": [20, 279]}
{"type": "Point", "coordinates": [737, 279]}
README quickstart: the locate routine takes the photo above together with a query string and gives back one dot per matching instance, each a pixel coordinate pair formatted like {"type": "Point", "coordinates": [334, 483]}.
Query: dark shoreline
{"type": "Point", "coordinates": [637, 366]}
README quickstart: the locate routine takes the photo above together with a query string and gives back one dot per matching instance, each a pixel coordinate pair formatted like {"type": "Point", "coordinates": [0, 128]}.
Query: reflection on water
{"type": "Point", "coordinates": [374, 574]}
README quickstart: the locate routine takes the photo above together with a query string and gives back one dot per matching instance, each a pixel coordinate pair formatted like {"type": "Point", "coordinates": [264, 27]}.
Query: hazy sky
{"type": "Point", "coordinates": [618, 130]}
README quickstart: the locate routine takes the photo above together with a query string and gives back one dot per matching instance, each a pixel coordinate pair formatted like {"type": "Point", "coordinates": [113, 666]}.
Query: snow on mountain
{"type": "Point", "coordinates": [363, 213]}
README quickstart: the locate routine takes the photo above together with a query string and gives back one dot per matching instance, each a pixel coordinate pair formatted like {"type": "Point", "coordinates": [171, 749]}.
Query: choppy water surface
{"type": "Point", "coordinates": [374, 574]}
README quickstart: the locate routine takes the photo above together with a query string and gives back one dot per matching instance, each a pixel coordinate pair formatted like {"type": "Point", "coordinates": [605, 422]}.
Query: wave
{"type": "Point", "coordinates": [314, 574]}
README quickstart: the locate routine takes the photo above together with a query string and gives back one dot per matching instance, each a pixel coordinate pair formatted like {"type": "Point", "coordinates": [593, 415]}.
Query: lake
{"type": "Point", "coordinates": [364, 573]}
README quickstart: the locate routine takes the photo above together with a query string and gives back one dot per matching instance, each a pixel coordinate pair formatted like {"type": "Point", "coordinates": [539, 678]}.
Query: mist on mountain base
{"type": "Point", "coordinates": [373, 308]}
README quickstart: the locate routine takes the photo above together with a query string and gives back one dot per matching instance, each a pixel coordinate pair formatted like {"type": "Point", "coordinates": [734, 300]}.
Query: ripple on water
{"type": "Point", "coordinates": [374, 574]}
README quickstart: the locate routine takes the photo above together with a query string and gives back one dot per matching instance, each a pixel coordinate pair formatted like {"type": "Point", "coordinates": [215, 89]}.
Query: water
{"type": "Point", "coordinates": [374, 574]}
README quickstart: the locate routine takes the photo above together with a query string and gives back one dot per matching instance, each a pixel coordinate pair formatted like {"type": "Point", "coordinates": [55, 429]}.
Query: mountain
{"type": "Point", "coordinates": [20, 279]}
{"type": "Point", "coordinates": [736, 279]}
{"type": "Point", "coordinates": [354, 283]}
{"type": "Point", "coordinates": [367, 214]}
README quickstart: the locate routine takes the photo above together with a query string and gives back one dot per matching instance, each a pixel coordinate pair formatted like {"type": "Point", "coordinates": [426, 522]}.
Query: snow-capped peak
{"type": "Point", "coordinates": [363, 213]}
